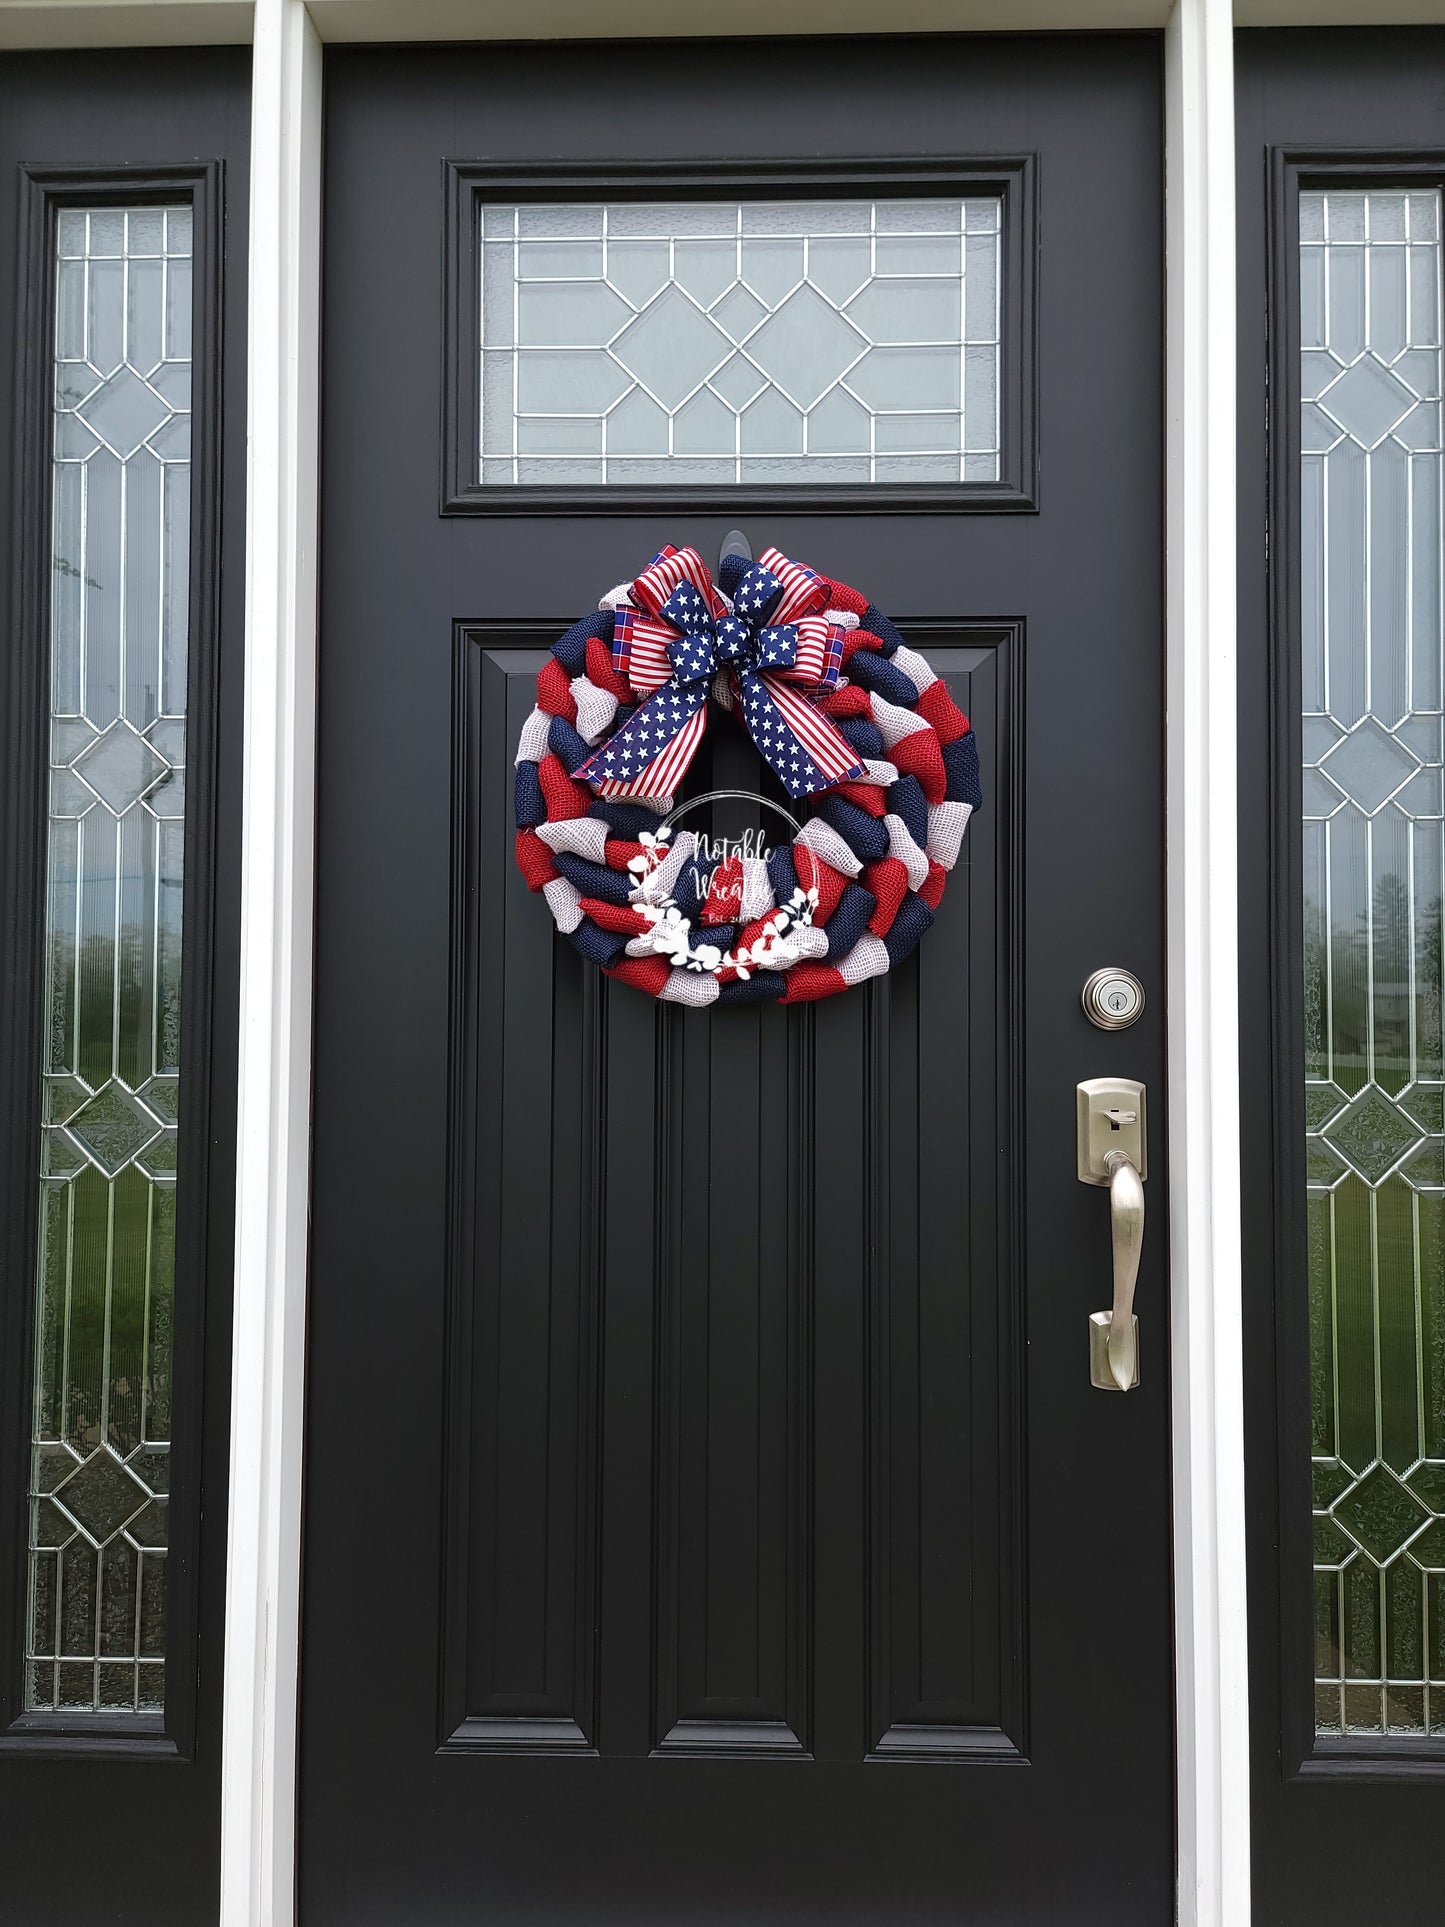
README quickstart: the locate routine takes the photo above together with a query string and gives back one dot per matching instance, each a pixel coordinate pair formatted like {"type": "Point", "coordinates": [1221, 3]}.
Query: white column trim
{"type": "Point", "coordinates": [1210, 1627]}
{"type": "Point", "coordinates": [258, 1770]}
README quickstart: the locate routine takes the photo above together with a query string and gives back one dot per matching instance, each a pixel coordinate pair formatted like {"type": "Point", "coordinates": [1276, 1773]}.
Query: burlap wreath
{"type": "Point", "coordinates": [844, 712]}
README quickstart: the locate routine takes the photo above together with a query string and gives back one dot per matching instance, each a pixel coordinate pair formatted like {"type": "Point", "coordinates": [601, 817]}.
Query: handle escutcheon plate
{"type": "Point", "coordinates": [1101, 1371]}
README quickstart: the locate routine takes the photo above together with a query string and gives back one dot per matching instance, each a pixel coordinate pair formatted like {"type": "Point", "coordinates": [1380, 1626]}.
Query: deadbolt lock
{"type": "Point", "coordinates": [1113, 998]}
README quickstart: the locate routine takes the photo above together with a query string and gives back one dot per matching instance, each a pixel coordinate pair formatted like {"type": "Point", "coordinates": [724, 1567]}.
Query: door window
{"type": "Point", "coordinates": [765, 341]}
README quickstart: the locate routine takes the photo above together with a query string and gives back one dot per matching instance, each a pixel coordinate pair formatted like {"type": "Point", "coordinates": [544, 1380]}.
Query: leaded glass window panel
{"type": "Point", "coordinates": [693, 343]}
{"type": "Point", "coordinates": [1374, 870]}
{"type": "Point", "coordinates": [120, 556]}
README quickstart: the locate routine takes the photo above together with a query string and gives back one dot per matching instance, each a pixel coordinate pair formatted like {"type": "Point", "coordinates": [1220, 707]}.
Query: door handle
{"type": "Point", "coordinates": [1112, 1152]}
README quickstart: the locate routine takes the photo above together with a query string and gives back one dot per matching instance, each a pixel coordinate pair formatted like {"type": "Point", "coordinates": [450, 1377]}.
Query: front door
{"type": "Point", "coordinates": [709, 1512]}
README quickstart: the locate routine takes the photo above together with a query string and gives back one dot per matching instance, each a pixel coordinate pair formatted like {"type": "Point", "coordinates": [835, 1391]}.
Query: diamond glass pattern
{"type": "Point", "coordinates": [1369, 765]}
{"type": "Point", "coordinates": [120, 767]}
{"type": "Point", "coordinates": [1373, 1135]}
{"type": "Point", "coordinates": [102, 1496]}
{"type": "Point", "coordinates": [1374, 861]}
{"type": "Point", "coordinates": [686, 343]}
{"type": "Point", "coordinates": [1367, 400]}
{"type": "Point", "coordinates": [1380, 1513]}
{"type": "Point", "coordinates": [124, 412]}
{"type": "Point", "coordinates": [120, 554]}
{"type": "Point", "coordinates": [113, 1128]}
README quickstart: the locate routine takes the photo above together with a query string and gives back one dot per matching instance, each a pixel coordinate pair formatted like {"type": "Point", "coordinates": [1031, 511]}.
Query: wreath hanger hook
{"type": "Point", "coordinates": [734, 543]}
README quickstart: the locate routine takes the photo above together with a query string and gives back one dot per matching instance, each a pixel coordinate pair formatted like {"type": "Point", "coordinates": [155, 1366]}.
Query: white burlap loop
{"type": "Point", "coordinates": [691, 988]}
{"type": "Point", "coordinates": [584, 836]}
{"type": "Point", "coordinates": [894, 723]}
{"type": "Point", "coordinates": [595, 708]}
{"type": "Point", "coordinates": [824, 841]}
{"type": "Point", "coordinates": [901, 845]}
{"type": "Point", "coordinates": [564, 900]}
{"type": "Point", "coordinates": [867, 958]}
{"type": "Point", "coordinates": [532, 743]}
{"type": "Point", "coordinates": [946, 825]}
{"type": "Point", "coordinates": [913, 666]}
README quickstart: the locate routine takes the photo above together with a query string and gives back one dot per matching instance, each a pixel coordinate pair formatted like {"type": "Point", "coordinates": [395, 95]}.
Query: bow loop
{"type": "Point", "coordinates": [777, 648]}
{"type": "Point", "coordinates": [692, 656]}
{"type": "Point", "coordinates": [757, 595]}
{"type": "Point", "coordinates": [688, 611]}
{"type": "Point", "coordinates": [673, 569]}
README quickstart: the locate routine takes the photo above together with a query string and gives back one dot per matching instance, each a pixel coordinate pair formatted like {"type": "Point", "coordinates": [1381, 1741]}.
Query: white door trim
{"type": "Point", "coordinates": [1210, 1627]}
{"type": "Point", "coordinates": [273, 1166]}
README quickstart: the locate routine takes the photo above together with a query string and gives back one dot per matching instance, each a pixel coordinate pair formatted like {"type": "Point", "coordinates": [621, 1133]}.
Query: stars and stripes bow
{"type": "Point", "coordinates": [778, 651]}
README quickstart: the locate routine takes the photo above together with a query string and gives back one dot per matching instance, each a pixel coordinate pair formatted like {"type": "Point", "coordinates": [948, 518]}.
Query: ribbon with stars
{"type": "Point", "coordinates": [776, 650]}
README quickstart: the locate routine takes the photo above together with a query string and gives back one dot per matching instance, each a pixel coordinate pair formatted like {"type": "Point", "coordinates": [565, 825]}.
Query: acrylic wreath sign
{"type": "Point", "coordinates": [839, 707]}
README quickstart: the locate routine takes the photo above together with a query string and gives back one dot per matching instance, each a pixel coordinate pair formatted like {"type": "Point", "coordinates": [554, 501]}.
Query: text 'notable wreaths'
{"type": "Point", "coordinates": [845, 714]}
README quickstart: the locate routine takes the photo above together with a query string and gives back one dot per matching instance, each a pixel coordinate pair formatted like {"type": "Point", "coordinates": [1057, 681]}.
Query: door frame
{"type": "Point", "coordinates": [273, 1153]}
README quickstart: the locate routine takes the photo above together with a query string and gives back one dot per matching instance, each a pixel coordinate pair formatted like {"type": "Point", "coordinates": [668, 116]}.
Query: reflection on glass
{"type": "Point", "coordinates": [682, 343]}
{"type": "Point", "coordinates": [1374, 866]}
{"type": "Point", "coordinates": [120, 563]}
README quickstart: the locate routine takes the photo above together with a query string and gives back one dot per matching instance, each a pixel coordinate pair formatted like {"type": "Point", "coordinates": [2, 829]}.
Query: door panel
{"type": "Point", "coordinates": [702, 1171]}
{"type": "Point", "coordinates": [703, 1396]}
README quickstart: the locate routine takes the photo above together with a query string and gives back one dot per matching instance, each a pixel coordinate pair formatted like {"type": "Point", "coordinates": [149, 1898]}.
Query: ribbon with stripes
{"type": "Point", "coordinates": [768, 656]}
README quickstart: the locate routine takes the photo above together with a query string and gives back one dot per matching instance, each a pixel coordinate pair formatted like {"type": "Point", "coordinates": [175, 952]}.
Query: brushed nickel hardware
{"type": "Point", "coordinates": [1112, 1152]}
{"type": "Point", "coordinates": [1113, 998]}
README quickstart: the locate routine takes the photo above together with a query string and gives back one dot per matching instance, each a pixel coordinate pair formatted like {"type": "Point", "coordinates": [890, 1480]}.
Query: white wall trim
{"type": "Point", "coordinates": [1210, 1626]}
{"type": "Point", "coordinates": [153, 23]}
{"type": "Point", "coordinates": [258, 1772]}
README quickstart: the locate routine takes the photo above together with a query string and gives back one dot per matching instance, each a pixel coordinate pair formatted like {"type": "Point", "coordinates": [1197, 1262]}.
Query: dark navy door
{"type": "Point", "coordinates": [709, 1515]}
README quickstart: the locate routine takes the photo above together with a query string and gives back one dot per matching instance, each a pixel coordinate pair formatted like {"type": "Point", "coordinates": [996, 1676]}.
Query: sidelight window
{"type": "Point", "coordinates": [1374, 871]}
{"type": "Point", "coordinates": [120, 539]}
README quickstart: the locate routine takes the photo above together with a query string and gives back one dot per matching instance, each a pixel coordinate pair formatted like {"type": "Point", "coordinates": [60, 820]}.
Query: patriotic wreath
{"type": "Point", "coordinates": [842, 711]}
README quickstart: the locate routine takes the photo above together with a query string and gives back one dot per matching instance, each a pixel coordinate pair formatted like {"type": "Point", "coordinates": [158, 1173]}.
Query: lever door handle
{"type": "Point", "coordinates": [1126, 1225]}
{"type": "Point", "coordinates": [1112, 1152]}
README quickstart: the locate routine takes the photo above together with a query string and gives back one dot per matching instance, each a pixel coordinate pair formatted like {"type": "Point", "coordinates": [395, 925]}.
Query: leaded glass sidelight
{"type": "Point", "coordinates": [120, 553]}
{"type": "Point", "coordinates": [684, 343]}
{"type": "Point", "coordinates": [1374, 866]}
